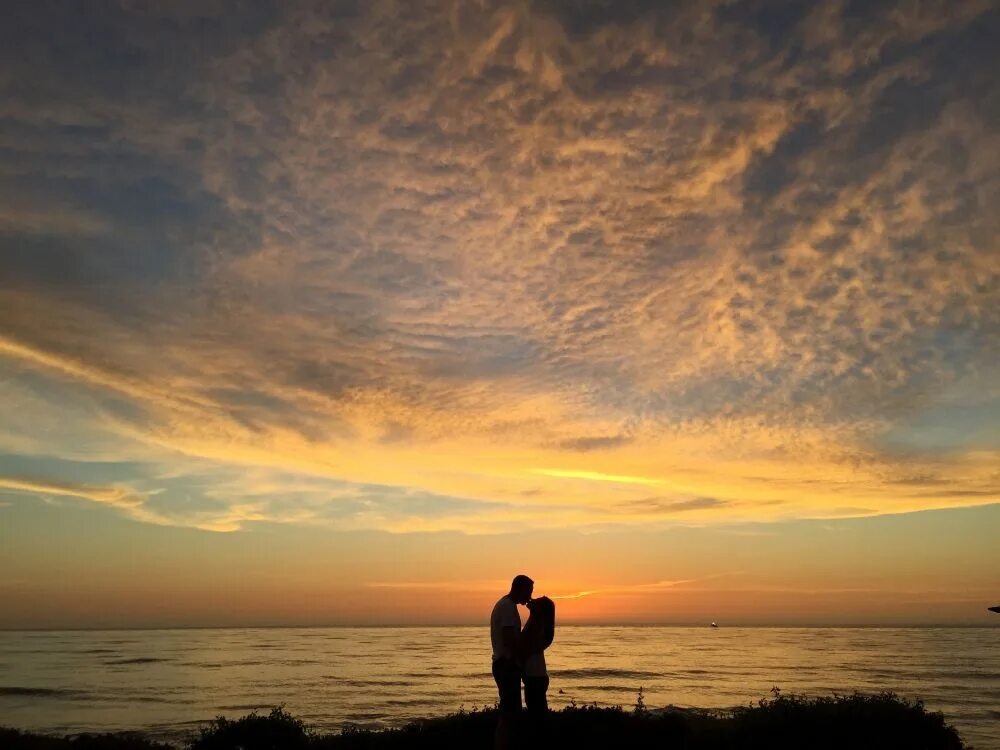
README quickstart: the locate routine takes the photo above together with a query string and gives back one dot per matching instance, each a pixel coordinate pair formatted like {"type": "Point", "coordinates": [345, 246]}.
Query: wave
{"type": "Point", "coordinates": [138, 660]}
{"type": "Point", "coordinates": [151, 699]}
{"type": "Point", "coordinates": [246, 707]}
{"type": "Point", "coordinates": [607, 689]}
{"type": "Point", "coordinates": [972, 674]}
{"type": "Point", "coordinates": [372, 716]}
{"type": "Point", "coordinates": [374, 683]}
{"type": "Point", "coordinates": [595, 672]}
{"type": "Point", "coordinates": [36, 692]}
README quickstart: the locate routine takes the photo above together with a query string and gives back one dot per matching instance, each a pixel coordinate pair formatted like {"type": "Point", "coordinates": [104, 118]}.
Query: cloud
{"type": "Point", "coordinates": [118, 497]}
{"type": "Point", "coordinates": [527, 259]}
{"type": "Point", "coordinates": [667, 505]}
{"type": "Point", "coordinates": [440, 585]}
{"type": "Point", "coordinates": [645, 588]}
{"type": "Point", "coordinates": [595, 476]}
{"type": "Point", "coordinates": [477, 586]}
{"type": "Point", "coordinates": [594, 443]}
{"type": "Point", "coordinates": [142, 507]}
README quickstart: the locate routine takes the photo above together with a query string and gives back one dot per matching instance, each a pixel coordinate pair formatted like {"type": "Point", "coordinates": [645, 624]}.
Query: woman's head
{"type": "Point", "coordinates": [543, 612]}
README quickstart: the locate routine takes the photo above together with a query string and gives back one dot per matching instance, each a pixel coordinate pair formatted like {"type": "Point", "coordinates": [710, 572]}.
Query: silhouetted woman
{"type": "Point", "coordinates": [535, 638]}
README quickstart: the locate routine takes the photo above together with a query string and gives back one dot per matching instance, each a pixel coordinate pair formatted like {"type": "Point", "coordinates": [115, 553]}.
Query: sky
{"type": "Point", "coordinates": [346, 312]}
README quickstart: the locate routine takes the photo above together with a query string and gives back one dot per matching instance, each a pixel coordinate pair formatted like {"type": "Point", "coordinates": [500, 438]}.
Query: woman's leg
{"type": "Point", "coordinates": [534, 694]}
{"type": "Point", "coordinates": [538, 711]}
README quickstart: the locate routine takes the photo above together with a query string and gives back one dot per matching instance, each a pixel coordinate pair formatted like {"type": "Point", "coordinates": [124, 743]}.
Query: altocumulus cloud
{"type": "Point", "coordinates": [438, 265]}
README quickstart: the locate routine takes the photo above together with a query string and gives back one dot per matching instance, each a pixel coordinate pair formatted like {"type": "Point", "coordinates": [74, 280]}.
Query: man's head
{"type": "Point", "coordinates": [521, 588]}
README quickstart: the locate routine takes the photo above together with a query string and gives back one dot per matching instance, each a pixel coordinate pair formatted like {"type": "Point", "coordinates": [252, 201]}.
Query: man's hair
{"type": "Point", "coordinates": [521, 581]}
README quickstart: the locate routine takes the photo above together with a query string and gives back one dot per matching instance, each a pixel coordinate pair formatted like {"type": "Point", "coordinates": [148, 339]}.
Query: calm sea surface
{"type": "Point", "coordinates": [165, 682]}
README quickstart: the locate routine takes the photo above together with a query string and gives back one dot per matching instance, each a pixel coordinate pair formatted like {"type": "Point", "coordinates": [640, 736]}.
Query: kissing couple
{"type": "Point", "coordinates": [520, 655]}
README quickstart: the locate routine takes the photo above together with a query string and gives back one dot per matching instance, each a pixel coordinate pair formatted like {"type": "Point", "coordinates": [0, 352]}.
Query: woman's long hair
{"type": "Point", "coordinates": [541, 627]}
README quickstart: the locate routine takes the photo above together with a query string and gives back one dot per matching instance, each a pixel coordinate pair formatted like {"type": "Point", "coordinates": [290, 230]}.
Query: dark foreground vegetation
{"type": "Point", "coordinates": [880, 722]}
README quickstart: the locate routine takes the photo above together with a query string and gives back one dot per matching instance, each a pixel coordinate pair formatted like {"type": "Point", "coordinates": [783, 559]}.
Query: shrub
{"type": "Point", "coordinates": [279, 730]}
{"type": "Point", "coordinates": [858, 722]}
{"type": "Point", "coordinates": [12, 739]}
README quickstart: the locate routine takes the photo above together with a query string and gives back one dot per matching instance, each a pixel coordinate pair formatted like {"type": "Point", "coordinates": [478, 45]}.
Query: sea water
{"type": "Point", "coordinates": [168, 682]}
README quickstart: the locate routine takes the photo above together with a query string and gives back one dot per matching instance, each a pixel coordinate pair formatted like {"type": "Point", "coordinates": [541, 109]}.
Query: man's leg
{"type": "Point", "coordinates": [508, 682]}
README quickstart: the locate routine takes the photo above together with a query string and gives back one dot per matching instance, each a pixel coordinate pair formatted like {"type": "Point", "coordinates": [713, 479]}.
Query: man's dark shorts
{"type": "Point", "coordinates": [508, 679]}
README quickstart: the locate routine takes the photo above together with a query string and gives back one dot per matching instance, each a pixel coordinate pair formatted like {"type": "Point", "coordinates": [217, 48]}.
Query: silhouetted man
{"type": "Point", "coordinates": [505, 627]}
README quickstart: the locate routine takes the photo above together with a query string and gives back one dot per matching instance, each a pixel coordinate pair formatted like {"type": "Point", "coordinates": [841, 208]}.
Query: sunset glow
{"type": "Point", "coordinates": [346, 313]}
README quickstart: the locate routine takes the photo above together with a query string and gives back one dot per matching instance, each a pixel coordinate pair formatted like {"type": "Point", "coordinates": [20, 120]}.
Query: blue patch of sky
{"type": "Point", "coordinates": [948, 427]}
{"type": "Point", "coordinates": [53, 469]}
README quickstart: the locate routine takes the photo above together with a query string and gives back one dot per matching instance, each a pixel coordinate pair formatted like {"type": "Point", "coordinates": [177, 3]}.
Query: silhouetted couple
{"type": "Point", "coordinates": [520, 655]}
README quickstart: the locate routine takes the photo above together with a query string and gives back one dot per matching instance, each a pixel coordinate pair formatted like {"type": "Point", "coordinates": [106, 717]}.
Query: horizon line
{"type": "Point", "coordinates": [602, 624]}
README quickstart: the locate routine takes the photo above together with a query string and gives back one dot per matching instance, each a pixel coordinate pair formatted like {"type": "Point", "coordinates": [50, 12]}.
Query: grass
{"type": "Point", "coordinates": [858, 722]}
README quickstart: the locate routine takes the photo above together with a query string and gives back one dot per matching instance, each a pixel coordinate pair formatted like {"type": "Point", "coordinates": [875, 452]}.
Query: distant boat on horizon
{"type": "Point", "coordinates": [995, 609]}
{"type": "Point", "coordinates": [714, 625]}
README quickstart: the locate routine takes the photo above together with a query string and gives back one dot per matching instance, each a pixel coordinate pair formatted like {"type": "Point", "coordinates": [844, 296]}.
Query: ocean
{"type": "Point", "coordinates": [166, 682]}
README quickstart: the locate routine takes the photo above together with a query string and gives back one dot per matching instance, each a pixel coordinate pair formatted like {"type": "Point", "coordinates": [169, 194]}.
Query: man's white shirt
{"type": "Point", "coordinates": [505, 615]}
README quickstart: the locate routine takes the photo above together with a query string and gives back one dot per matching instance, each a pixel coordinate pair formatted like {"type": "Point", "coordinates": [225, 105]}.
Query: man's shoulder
{"type": "Point", "coordinates": [504, 602]}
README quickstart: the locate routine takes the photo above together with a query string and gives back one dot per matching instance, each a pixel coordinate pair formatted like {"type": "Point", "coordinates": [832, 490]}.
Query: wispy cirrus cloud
{"type": "Point", "coordinates": [496, 586]}
{"type": "Point", "coordinates": [137, 506]}
{"type": "Point", "coordinates": [526, 259]}
{"type": "Point", "coordinates": [646, 588]}
{"type": "Point", "coordinates": [119, 497]}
